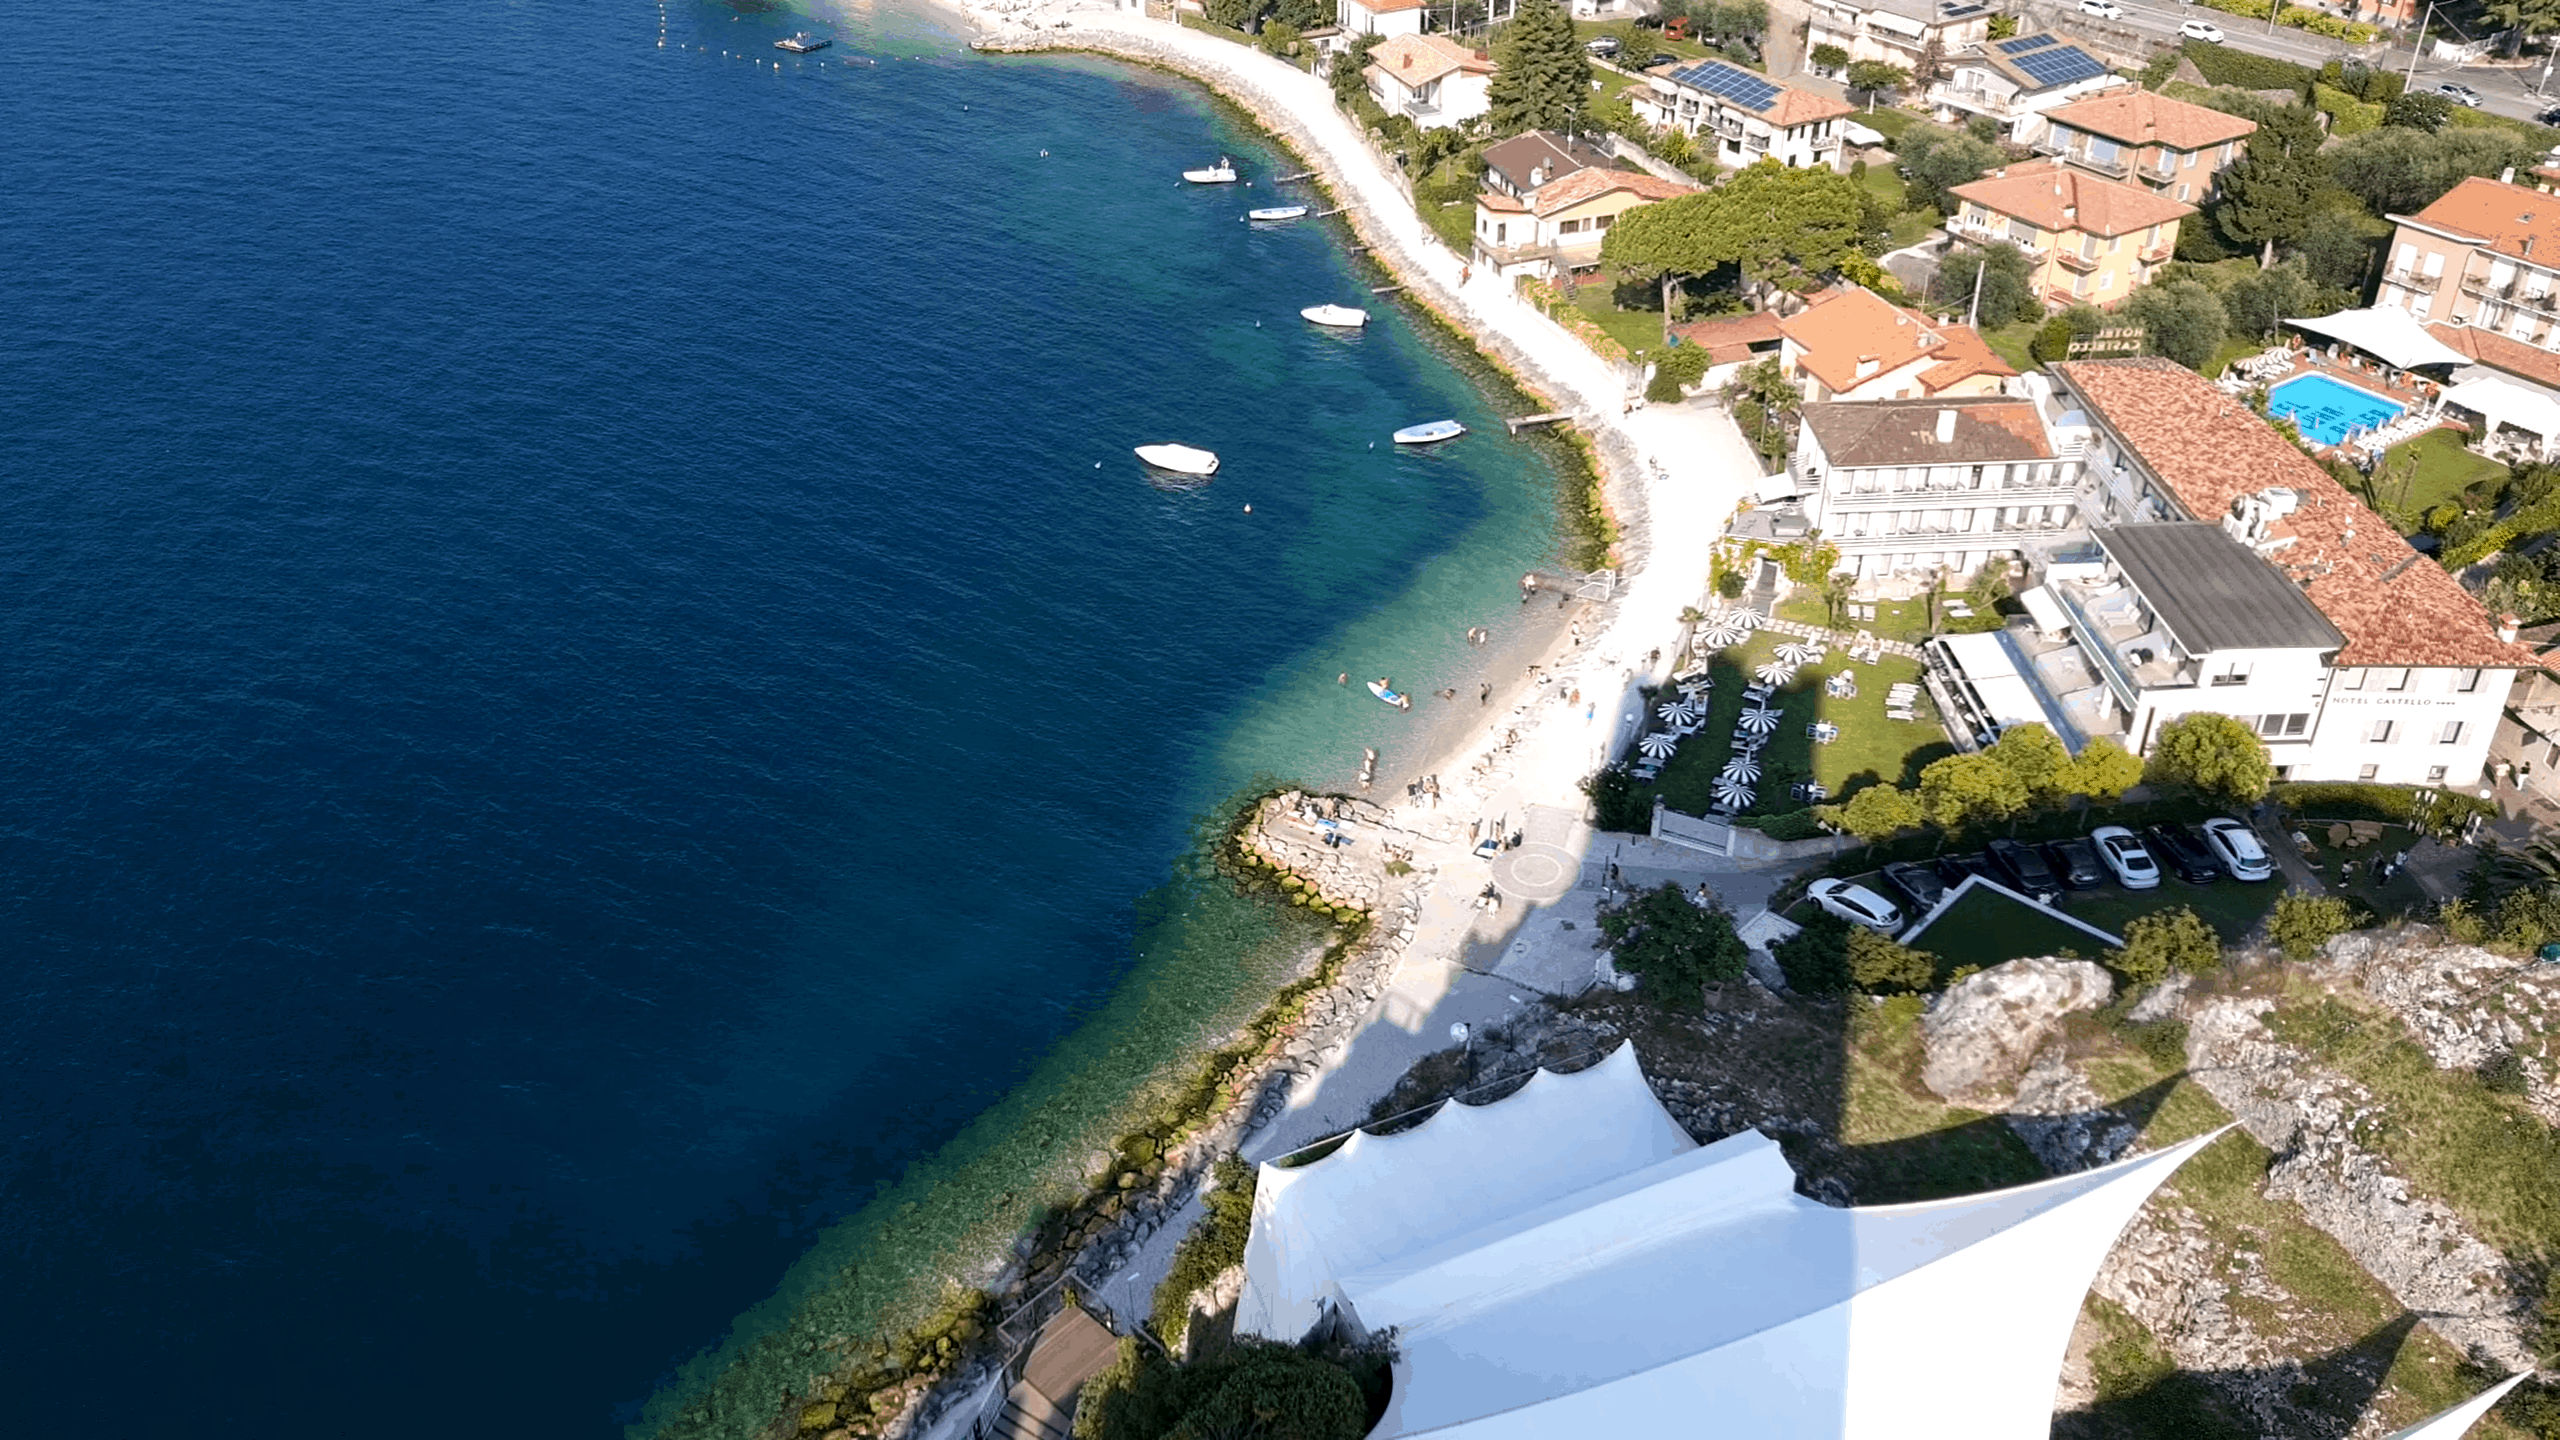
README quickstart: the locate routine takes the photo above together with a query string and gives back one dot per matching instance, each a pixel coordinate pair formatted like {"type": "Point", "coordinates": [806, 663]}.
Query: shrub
{"type": "Point", "coordinates": [2303, 922]}
{"type": "Point", "coordinates": [1676, 944]}
{"type": "Point", "coordinates": [2503, 1073]}
{"type": "Point", "coordinates": [1881, 966]}
{"type": "Point", "coordinates": [2213, 755]}
{"type": "Point", "coordinates": [2441, 813]}
{"type": "Point", "coordinates": [2244, 71]}
{"type": "Point", "coordinates": [2165, 941]}
{"type": "Point", "coordinates": [1815, 959]}
{"type": "Point", "coordinates": [1214, 1244]}
{"type": "Point", "coordinates": [2053, 340]}
{"type": "Point", "coordinates": [1619, 802]}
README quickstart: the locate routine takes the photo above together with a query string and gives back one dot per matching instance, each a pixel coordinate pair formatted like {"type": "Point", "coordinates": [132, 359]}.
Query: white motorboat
{"type": "Point", "coordinates": [1180, 459]}
{"type": "Point", "coordinates": [1430, 434]}
{"type": "Point", "coordinates": [1341, 315]}
{"type": "Point", "coordinates": [1277, 212]}
{"type": "Point", "coordinates": [1222, 173]}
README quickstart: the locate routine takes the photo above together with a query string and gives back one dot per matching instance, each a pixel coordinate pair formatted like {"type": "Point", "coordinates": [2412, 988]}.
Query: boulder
{"type": "Point", "coordinates": [1986, 1029]}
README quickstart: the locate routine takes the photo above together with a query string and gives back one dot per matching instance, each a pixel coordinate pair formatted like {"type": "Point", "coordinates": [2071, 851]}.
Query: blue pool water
{"type": "Point", "coordinates": [604, 731]}
{"type": "Point", "coordinates": [2325, 409]}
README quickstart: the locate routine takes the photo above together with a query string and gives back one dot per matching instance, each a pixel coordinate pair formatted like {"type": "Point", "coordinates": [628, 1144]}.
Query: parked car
{"type": "Point", "coordinates": [1662, 57]}
{"type": "Point", "coordinates": [1954, 870]}
{"type": "Point", "coordinates": [2181, 853]}
{"type": "Point", "coordinates": [2075, 863]}
{"type": "Point", "coordinates": [2123, 853]}
{"type": "Point", "coordinates": [1647, 22]}
{"type": "Point", "coordinates": [2237, 847]}
{"type": "Point", "coordinates": [1604, 47]}
{"type": "Point", "coordinates": [2103, 9]}
{"type": "Point", "coordinates": [2549, 116]}
{"type": "Point", "coordinates": [1856, 904]}
{"type": "Point", "coordinates": [2199, 30]}
{"type": "Point", "coordinates": [2021, 867]}
{"type": "Point", "coordinates": [2459, 94]}
{"type": "Point", "coordinates": [1917, 882]}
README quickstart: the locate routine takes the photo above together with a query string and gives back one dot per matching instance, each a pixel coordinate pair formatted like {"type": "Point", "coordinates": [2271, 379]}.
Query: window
{"type": "Point", "coordinates": [2233, 672]}
{"type": "Point", "coordinates": [2452, 734]}
{"type": "Point", "coordinates": [2399, 679]}
{"type": "Point", "coordinates": [2465, 681]}
{"type": "Point", "coordinates": [2380, 733]}
{"type": "Point", "coordinates": [2283, 727]}
{"type": "Point", "coordinates": [2351, 679]}
{"type": "Point", "coordinates": [2182, 191]}
{"type": "Point", "coordinates": [1501, 231]}
{"type": "Point", "coordinates": [2368, 772]}
{"type": "Point", "coordinates": [2435, 774]}
{"type": "Point", "coordinates": [2226, 154]}
{"type": "Point", "coordinates": [2433, 268]}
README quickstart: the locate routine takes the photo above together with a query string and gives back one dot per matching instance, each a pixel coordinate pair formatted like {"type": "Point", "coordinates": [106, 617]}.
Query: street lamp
{"type": "Point", "coordinates": [1464, 1034]}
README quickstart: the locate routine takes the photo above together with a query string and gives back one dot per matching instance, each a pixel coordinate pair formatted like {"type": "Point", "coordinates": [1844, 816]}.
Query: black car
{"type": "Point", "coordinates": [1954, 870]}
{"type": "Point", "coordinates": [2075, 863]}
{"type": "Point", "coordinates": [2181, 853]}
{"type": "Point", "coordinates": [1918, 882]}
{"type": "Point", "coordinates": [1662, 57]}
{"type": "Point", "coordinates": [2550, 116]}
{"type": "Point", "coordinates": [2021, 867]}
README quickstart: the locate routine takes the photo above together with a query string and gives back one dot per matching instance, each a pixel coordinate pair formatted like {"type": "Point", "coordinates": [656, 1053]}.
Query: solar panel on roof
{"type": "Point", "coordinates": [2059, 66]}
{"type": "Point", "coordinates": [2026, 43]}
{"type": "Point", "coordinates": [1731, 82]}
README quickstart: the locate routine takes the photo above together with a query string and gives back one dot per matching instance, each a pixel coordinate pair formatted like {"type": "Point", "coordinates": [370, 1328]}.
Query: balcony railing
{"type": "Point", "coordinates": [2074, 260]}
{"type": "Point", "coordinates": [2111, 169]}
{"type": "Point", "coordinates": [2411, 279]}
{"type": "Point", "coordinates": [2514, 293]}
{"type": "Point", "coordinates": [2093, 643]}
{"type": "Point", "coordinates": [2157, 253]}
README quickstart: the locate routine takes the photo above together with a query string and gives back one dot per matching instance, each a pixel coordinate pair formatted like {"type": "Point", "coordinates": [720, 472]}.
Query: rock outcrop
{"type": "Point", "coordinates": [2468, 1008]}
{"type": "Point", "coordinates": [1984, 1034]}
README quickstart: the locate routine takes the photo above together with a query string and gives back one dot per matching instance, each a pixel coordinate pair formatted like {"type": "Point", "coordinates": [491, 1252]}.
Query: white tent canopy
{"type": "Point", "coordinates": [2392, 334]}
{"type": "Point", "coordinates": [1569, 1262]}
{"type": "Point", "coordinates": [2501, 402]}
{"type": "Point", "coordinates": [2448, 1424]}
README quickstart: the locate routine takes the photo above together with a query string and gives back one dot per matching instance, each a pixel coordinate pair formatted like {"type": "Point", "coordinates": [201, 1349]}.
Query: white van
{"type": "Point", "coordinates": [2103, 9]}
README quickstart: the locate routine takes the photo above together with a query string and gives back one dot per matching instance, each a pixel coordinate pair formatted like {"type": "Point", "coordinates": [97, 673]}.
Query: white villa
{"type": "Point", "coordinates": [2017, 82]}
{"type": "Point", "coordinates": [1432, 78]}
{"type": "Point", "coordinates": [1742, 117]}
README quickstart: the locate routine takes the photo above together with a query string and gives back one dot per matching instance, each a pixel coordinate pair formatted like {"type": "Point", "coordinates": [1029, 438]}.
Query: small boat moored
{"type": "Point", "coordinates": [1277, 212]}
{"type": "Point", "coordinates": [803, 43]}
{"type": "Point", "coordinates": [1431, 434]}
{"type": "Point", "coordinates": [1338, 315]}
{"type": "Point", "coordinates": [1222, 173]}
{"type": "Point", "coordinates": [1180, 459]}
{"type": "Point", "coordinates": [1380, 688]}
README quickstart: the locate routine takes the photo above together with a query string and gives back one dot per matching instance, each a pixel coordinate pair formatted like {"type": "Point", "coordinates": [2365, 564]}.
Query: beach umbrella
{"type": "Point", "coordinates": [1776, 672]}
{"type": "Point", "coordinates": [1758, 722]}
{"type": "Point", "coordinates": [1735, 794]}
{"type": "Point", "coordinates": [1679, 712]}
{"type": "Point", "coordinates": [1722, 630]}
{"type": "Point", "coordinates": [1742, 768]}
{"type": "Point", "coordinates": [1796, 652]}
{"type": "Point", "coordinates": [1658, 745]}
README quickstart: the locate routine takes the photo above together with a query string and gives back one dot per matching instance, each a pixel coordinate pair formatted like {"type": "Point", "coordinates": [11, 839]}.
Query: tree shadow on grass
{"type": "Point", "coordinates": [1989, 1153]}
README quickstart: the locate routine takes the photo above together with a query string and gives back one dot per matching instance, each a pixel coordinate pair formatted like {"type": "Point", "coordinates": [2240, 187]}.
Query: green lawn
{"type": "Point", "coordinates": [2009, 342]}
{"type": "Point", "coordinates": [1907, 228]}
{"type": "Point", "coordinates": [1888, 123]}
{"type": "Point", "coordinates": [1903, 620]}
{"type": "Point", "coordinates": [2231, 907]}
{"type": "Point", "coordinates": [1871, 748]}
{"type": "Point", "coordinates": [1454, 221]}
{"type": "Point", "coordinates": [1987, 928]}
{"type": "Point", "coordinates": [2432, 470]}
{"type": "Point", "coordinates": [1635, 329]}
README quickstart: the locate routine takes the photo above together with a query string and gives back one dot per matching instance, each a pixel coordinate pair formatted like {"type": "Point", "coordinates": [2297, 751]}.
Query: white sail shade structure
{"type": "Point", "coordinates": [2450, 1424]}
{"type": "Point", "coordinates": [1568, 1262]}
{"type": "Point", "coordinates": [2388, 332]}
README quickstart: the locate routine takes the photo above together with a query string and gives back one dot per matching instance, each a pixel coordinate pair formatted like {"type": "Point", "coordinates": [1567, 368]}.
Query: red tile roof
{"type": "Point", "coordinates": [2509, 219]}
{"type": "Point", "coordinates": [2057, 198]}
{"type": "Point", "coordinates": [1848, 325]}
{"type": "Point", "coordinates": [1584, 185]}
{"type": "Point", "coordinates": [2138, 117]}
{"type": "Point", "coordinates": [2500, 352]}
{"type": "Point", "coordinates": [2394, 605]}
{"type": "Point", "coordinates": [1416, 60]}
{"type": "Point", "coordinates": [1728, 338]}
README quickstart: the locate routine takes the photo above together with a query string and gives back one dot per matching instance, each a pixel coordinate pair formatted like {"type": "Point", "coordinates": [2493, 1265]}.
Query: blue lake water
{"type": "Point", "coordinates": [2325, 409]}
{"type": "Point", "coordinates": [593, 682]}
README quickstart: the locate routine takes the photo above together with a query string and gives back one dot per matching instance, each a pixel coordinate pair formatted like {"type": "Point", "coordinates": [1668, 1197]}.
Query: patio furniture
{"type": "Point", "coordinates": [1823, 732]}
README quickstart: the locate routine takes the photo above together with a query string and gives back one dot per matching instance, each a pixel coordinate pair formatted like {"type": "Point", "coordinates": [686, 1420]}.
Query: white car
{"type": "Point", "coordinates": [2459, 94]}
{"type": "Point", "coordinates": [2123, 852]}
{"type": "Point", "coordinates": [2103, 9]}
{"type": "Point", "coordinates": [1856, 904]}
{"type": "Point", "coordinates": [2199, 30]}
{"type": "Point", "coordinates": [2237, 847]}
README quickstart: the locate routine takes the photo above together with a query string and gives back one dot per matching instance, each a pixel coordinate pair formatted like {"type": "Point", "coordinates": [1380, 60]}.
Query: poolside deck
{"type": "Point", "coordinates": [2413, 393]}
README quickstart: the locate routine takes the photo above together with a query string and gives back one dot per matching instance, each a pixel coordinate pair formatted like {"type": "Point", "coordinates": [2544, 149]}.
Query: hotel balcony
{"type": "Point", "coordinates": [2542, 300]}
{"type": "Point", "coordinates": [2412, 280]}
{"type": "Point", "coordinates": [2074, 260]}
{"type": "Point", "coordinates": [2106, 620]}
{"type": "Point", "coordinates": [2083, 160]}
{"type": "Point", "coordinates": [2157, 253]}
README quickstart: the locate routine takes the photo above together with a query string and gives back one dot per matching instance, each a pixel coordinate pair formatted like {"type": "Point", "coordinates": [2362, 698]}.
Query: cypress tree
{"type": "Point", "coordinates": [1541, 78]}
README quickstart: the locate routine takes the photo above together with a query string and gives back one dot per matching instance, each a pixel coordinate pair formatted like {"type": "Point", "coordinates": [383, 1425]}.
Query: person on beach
{"type": "Point", "coordinates": [1448, 694]}
{"type": "Point", "coordinates": [1484, 693]}
{"type": "Point", "coordinates": [1342, 679]}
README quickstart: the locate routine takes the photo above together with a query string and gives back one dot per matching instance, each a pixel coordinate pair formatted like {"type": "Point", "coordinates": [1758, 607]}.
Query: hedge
{"type": "Point", "coordinates": [1793, 825]}
{"type": "Point", "coordinates": [2439, 812]}
{"type": "Point", "coordinates": [2244, 71]}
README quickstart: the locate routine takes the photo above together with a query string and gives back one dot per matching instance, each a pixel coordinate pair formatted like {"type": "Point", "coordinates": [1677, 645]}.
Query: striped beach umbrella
{"type": "Point", "coordinates": [1758, 722]}
{"type": "Point", "coordinates": [1797, 652]}
{"type": "Point", "coordinates": [1721, 630]}
{"type": "Point", "coordinates": [1775, 672]}
{"type": "Point", "coordinates": [1679, 712]}
{"type": "Point", "coordinates": [1658, 745]}
{"type": "Point", "coordinates": [1735, 794]}
{"type": "Point", "coordinates": [1742, 769]}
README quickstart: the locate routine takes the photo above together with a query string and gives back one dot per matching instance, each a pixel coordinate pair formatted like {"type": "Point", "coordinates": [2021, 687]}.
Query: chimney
{"type": "Point", "coordinates": [2507, 629]}
{"type": "Point", "coordinates": [1947, 426]}
{"type": "Point", "coordinates": [2507, 176]}
{"type": "Point", "coordinates": [1408, 59]}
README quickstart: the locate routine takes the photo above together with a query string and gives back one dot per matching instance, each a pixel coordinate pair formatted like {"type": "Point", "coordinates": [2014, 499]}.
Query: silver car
{"type": "Point", "coordinates": [2237, 847]}
{"type": "Point", "coordinates": [1856, 904]}
{"type": "Point", "coordinates": [2123, 852]}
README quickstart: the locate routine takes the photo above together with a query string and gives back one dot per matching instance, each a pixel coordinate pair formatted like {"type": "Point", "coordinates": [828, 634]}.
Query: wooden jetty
{"type": "Point", "coordinates": [1285, 179]}
{"type": "Point", "coordinates": [1517, 423]}
{"type": "Point", "coordinates": [1385, 289]}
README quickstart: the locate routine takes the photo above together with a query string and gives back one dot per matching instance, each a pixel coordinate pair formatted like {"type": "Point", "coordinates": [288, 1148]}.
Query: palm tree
{"type": "Point", "coordinates": [1835, 597]}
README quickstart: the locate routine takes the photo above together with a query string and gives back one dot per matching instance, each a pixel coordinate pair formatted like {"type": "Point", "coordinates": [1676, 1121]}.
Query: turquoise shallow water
{"type": "Point", "coordinates": [594, 685]}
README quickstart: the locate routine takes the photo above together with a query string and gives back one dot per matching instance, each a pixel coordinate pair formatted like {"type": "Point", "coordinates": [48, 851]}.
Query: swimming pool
{"type": "Point", "coordinates": [2326, 409]}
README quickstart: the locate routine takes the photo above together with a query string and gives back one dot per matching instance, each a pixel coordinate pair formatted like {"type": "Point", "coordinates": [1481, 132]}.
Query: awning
{"type": "Point", "coordinates": [2502, 403]}
{"type": "Point", "coordinates": [2045, 611]}
{"type": "Point", "coordinates": [2393, 335]}
{"type": "Point", "coordinates": [1772, 488]}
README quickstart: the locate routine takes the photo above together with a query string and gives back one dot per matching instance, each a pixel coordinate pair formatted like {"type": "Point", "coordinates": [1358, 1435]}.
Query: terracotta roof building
{"type": "Point", "coordinates": [2486, 255]}
{"type": "Point", "coordinates": [1734, 339]}
{"type": "Point", "coordinates": [1379, 17]}
{"type": "Point", "coordinates": [1431, 78]}
{"type": "Point", "coordinates": [1524, 162]}
{"type": "Point", "coordinates": [1946, 485]}
{"type": "Point", "coordinates": [2086, 239]}
{"type": "Point", "coordinates": [1559, 225]}
{"type": "Point", "coordinates": [1853, 344]}
{"type": "Point", "coordinates": [2409, 691]}
{"type": "Point", "coordinates": [2015, 83]}
{"type": "Point", "coordinates": [1742, 117]}
{"type": "Point", "coordinates": [2170, 146]}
